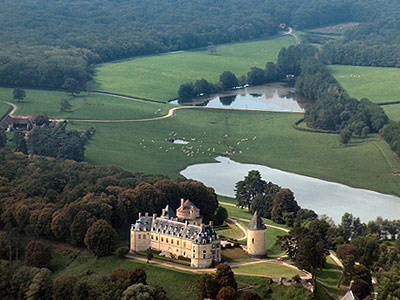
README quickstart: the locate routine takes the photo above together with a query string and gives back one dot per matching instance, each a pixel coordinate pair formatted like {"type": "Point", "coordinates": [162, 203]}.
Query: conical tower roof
{"type": "Point", "coordinates": [256, 223]}
{"type": "Point", "coordinates": [169, 213]}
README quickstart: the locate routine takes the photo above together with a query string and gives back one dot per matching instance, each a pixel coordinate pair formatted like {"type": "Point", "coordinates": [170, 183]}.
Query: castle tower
{"type": "Point", "coordinates": [256, 237]}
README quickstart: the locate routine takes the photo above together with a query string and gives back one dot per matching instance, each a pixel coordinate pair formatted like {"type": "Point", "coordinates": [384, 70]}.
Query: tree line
{"type": "Point", "coordinates": [44, 45]}
{"type": "Point", "coordinates": [77, 203]}
{"type": "Point", "coordinates": [33, 281]}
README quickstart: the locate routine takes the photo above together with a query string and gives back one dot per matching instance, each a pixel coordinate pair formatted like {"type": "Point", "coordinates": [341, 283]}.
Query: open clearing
{"type": "Point", "coordinates": [159, 77]}
{"type": "Point", "coordinates": [268, 269]}
{"type": "Point", "coordinates": [380, 85]}
{"type": "Point", "coordinates": [91, 107]}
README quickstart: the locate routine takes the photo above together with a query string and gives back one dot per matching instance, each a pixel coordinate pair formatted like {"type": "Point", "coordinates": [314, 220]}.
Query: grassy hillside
{"type": "Point", "coordinates": [380, 85]}
{"type": "Point", "coordinates": [159, 77]}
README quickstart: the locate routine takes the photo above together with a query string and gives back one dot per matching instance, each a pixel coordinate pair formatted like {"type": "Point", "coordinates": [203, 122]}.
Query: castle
{"type": "Point", "coordinates": [181, 234]}
{"type": "Point", "coordinates": [184, 234]}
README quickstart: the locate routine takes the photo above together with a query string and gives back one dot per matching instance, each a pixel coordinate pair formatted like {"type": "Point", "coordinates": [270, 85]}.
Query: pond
{"type": "Point", "coordinates": [324, 197]}
{"type": "Point", "coordinates": [269, 97]}
{"type": "Point", "coordinates": [180, 142]}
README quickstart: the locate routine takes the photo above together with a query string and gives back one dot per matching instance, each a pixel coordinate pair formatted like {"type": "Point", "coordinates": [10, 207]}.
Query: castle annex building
{"type": "Point", "coordinates": [181, 234]}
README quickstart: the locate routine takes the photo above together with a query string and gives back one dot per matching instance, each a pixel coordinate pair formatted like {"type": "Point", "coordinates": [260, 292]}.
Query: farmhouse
{"type": "Point", "coordinates": [180, 234]}
{"type": "Point", "coordinates": [24, 122]}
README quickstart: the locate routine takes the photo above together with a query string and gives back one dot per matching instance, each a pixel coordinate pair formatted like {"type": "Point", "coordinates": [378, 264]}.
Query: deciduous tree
{"type": "Point", "coordinates": [101, 238]}
{"type": "Point", "coordinates": [19, 94]}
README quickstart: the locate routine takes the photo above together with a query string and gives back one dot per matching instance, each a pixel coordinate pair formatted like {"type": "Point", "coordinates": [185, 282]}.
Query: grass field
{"type": "Point", "coordinates": [272, 141]}
{"type": "Point", "coordinates": [93, 107]}
{"type": "Point", "coordinates": [144, 147]}
{"type": "Point", "coordinates": [380, 85]}
{"type": "Point", "coordinates": [329, 277]}
{"type": "Point", "coordinates": [269, 269]}
{"type": "Point", "coordinates": [377, 84]}
{"type": "Point", "coordinates": [230, 231]}
{"type": "Point", "coordinates": [392, 111]}
{"type": "Point", "coordinates": [159, 77]}
{"type": "Point", "coordinates": [3, 109]}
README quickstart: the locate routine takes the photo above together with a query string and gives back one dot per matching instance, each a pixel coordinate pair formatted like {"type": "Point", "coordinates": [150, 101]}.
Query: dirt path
{"type": "Point", "coordinates": [168, 115]}
{"type": "Point", "coordinates": [290, 32]}
{"type": "Point", "coordinates": [241, 227]}
{"type": "Point", "coordinates": [14, 110]}
{"type": "Point", "coordinates": [336, 260]}
{"type": "Point", "coordinates": [212, 270]}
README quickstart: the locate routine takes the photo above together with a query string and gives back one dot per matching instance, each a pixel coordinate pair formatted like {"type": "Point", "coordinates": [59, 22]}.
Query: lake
{"type": "Point", "coordinates": [324, 197]}
{"type": "Point", "coordinates": [269, 97]}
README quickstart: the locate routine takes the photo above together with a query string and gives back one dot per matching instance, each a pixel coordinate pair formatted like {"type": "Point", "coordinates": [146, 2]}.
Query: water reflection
{"type": "Point", "coordinates": [227, 100]}
{"type": "Point", "coordinates": [270, 97]}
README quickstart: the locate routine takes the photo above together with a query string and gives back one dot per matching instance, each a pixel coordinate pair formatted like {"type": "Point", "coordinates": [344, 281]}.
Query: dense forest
{"type": "Point", "coordinates": [62, 200]}
{"type": "Point", "coordinates": [47, 42]}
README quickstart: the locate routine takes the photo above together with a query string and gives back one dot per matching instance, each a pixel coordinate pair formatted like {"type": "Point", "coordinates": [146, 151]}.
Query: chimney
{"type": "Point", "coordinates": [154, 216]}
{"type": "Point", "coordinates": [212, 223]}
{"type": "Point", "coordinates": [140, 214]}
{"type": "Point", "coordinates": [163, 212]}
{"type": "Point", "coordinates": [182, 200]}
{"type": "Point", "coordinates": [146, 214]}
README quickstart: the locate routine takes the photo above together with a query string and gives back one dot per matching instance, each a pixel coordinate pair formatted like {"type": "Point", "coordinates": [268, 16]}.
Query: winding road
{"type": "Point", "coordinates": [13, 111]}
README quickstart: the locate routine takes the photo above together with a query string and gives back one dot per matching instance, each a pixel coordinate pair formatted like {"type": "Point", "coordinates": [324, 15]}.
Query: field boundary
{"type": "Point", "coordinates": [128, 97]}
{"type": "Point", "coordinates": [297, 127]}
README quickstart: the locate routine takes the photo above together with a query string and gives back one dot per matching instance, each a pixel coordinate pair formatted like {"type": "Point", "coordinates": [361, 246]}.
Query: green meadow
{"type": "Point", "coordinates": [3, 108]}
{"type": "Point", "coordinates": [271, 140]}
{"type": "Point", "coordinates": [253, 137]}
{"type": "Point", "coordinates": [268, 269]}
{"type": "Point", "coordinates": [159, 77]}
{"type": "Point", "coordinates": [380, 85]}
{"type": "Point", "coordinates": [92, 107]}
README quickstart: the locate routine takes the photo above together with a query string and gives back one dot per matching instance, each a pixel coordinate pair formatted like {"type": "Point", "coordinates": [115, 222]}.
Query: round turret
{"type": "Point", "coordinates": [256, 237]}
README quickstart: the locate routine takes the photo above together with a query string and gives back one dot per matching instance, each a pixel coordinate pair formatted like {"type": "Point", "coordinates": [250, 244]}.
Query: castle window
{"type": "Point", "coordinates": [152, 237]}
{"type": "Point", "coordinates": [139, 236]}
{"type": "Point", "coordinates": [172, 241]}
{"type": "Point", "coordinates": [252, 240]}
{"type": "Point", "coordinates": [177, 242]}
{"type": "Point", "coordinates": [193, 255]}
{"type": "Point", "coordinates": [162, 239]}
{"type": "Point", "coordinates": [156, 238]}
{"type": "Point", "coordinates": [166, 240]}
{"type": "Point", "coordinates": [144, 236]}
{"type": "Point", "coordinates": [184, 253]}
{"type": "Point", "coordinates": [184, 244]}
{"type": "Point", "coordinates": [204, 256]}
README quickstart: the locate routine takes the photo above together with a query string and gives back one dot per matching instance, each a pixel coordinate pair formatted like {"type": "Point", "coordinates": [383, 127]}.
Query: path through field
{"type": "Point", "coordinates": [14, 110]}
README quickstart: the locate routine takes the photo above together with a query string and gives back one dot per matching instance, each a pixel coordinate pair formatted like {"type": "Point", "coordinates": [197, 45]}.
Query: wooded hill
{"type": "Point", "coordinates": [46, 42]}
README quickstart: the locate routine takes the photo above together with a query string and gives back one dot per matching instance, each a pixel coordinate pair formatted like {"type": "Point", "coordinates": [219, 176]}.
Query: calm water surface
{"type": "Point", "coordinates": [271, 97]}
{"type": "Point", "coordinates": [324, 197]}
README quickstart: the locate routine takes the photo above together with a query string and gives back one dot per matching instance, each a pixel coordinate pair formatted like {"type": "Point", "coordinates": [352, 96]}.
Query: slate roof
{"type": "Point", "coordinates": [349, 296]}
{"type": "Point", "coordinates": [256, 223]}
{"type": "Point", "coordinates": [197, 234]}
{"type": "Point", "coordinates": [169, 213]}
